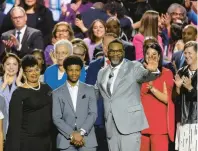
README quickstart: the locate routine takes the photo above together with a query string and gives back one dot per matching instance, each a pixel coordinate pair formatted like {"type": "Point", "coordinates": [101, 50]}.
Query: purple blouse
{"type": "Point", "coordinates": [91, 47]}
{"type": "Point", "coordinates": [71, 14]}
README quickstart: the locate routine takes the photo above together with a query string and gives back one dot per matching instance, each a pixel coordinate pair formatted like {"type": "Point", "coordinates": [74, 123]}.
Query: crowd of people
{"type": "Point", "coordinates": [101, 77]}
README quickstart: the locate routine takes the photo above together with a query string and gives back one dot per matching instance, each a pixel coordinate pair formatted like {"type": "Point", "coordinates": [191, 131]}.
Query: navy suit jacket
{"type": "Point", "coordinates": [91, 14]}
{"type": "Point", "coordinates": [177, 59]}
{"type": "Point", "coordinates": [91, 78]}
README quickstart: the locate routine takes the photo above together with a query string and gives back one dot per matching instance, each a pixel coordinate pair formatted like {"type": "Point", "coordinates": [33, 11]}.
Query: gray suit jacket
{"type": "Point", "coordinates": [32, 39]}
{"type": "Point", "coordinates": [3, 110]}
{"type": "Point", "coordinates": [65, 117]}
{"type": "Point", "coordinates": [124, 104]}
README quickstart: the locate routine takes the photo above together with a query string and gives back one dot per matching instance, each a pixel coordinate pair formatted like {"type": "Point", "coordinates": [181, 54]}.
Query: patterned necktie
{"type": "Point", "coordinates": [18, 36]}
{"type": "Point", "coordinates": [111, 75]}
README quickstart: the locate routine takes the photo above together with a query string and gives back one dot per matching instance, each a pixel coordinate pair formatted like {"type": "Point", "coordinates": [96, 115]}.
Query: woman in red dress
{"type": "Point", "coordinates": [158, 105]}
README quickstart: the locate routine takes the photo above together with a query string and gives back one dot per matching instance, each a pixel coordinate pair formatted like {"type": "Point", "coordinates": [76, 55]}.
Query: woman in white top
{"type": "Point", "coordinates": [1, 131]}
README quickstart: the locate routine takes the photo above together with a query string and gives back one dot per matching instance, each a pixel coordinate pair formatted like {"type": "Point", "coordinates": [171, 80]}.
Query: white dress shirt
{"type": "Point", "coordinates": [21, 36]}
{"type": "Point", "coordinates": [60, 74]}
{"type": "Point", "coordinates": [1, 115]}
{"type": "Point", "coordinates": [73, 91]}
{"type": "Point", "coordinates": [115, 72]}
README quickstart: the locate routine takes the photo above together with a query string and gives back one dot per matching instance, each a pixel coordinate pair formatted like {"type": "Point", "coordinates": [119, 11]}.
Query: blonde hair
{"type": "Point", "coordinates": [149, 24]}
{"type": "Point", "coordinates": [71, 32]}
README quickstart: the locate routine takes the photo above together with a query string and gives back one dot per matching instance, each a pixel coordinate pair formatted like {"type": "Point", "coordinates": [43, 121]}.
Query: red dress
{"type": "Point", "coordinates": [160, 116]}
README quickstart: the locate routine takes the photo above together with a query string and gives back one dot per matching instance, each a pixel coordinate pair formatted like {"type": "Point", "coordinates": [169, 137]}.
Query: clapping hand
{"type": "Point", "coordinates": [152, 64]}
{"type": "Point", "coordinates": [178, 81]}
{"type": "Point", "coordinates": [53, 57]}
{"type": "Point", "coordinates": [19, 77]}
{"type": "Point", "coordinates": [63, 9]}
{"type": "Point", "coordinates": [187, 83]}
{"type": "Point", "coordinates": [11, 42]}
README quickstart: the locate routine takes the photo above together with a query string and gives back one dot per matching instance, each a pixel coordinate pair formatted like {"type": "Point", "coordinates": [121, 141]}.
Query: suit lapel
{"type": "Point", "coordinates": [68, 97]}
{"type": "Point", "coordinates": [25, 36]}
{"type": "Point", "coordinates": [81, 93]}
{"type": "Point", "coordinates": [104, 80]}
{"type": "Point", "coordinates": [120, 75]}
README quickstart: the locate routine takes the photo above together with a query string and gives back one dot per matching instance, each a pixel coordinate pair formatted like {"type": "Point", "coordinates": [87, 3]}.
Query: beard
{"type": "Point", "coordinates": [116, 61]}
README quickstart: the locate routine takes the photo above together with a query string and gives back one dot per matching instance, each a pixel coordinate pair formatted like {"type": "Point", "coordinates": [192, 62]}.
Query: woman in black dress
{"type": "Point", "coordinates": [30, 112]}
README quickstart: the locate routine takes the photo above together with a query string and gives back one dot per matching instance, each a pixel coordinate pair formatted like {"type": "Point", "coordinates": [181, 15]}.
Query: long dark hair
{"type": "Point", "coordinates": [157, 47]}
{"type": "Point", "coordinates": [90, 30]}
{"type": "Point", "coordinates": [36, 6]}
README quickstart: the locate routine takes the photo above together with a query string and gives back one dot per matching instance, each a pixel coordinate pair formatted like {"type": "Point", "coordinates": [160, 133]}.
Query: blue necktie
{"type": "Point", "coordinates": [18, 36]}
{"type": "Point", "coordinates": [182, 59]}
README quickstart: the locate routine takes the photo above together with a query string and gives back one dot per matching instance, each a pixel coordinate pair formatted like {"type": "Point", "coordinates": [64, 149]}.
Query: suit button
{"type": "Point", "coordinates": [76, 117]}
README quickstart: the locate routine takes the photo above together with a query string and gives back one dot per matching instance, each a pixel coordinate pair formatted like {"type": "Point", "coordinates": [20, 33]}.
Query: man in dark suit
{"type": "Point", "coordinates": [113, 26]}
{"type": "Point", "coordinates": [21, 40]}
{"type": "Point", "coordinates": [189, 33]}
{"type": "Point", "coordinates": [91, 78]}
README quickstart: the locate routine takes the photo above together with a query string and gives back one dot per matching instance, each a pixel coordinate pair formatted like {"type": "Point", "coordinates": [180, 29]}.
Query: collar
{"type": "Point", "coordinates": [118, 66]}
{"type": "Point", "coordinates": [70, 86]}
{"type": "Point", "coordinates": [22, 30]}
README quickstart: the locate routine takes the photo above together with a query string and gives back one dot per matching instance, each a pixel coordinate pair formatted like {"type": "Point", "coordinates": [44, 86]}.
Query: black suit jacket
{"type": "Point", "coordinates": [128, 47]}
{"type": "Point", "coordinates": [32, 39]}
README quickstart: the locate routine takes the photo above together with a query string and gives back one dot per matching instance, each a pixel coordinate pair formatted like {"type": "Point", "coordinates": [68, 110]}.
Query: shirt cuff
{"type": "Point", "coordinates": [19, 48]}
{"type": "Point", "coordinates": [82, 132]}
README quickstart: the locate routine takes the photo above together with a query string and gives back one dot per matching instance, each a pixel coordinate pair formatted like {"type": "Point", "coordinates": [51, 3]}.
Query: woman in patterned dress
{"type": "Point", "coordinates": [186, 89]}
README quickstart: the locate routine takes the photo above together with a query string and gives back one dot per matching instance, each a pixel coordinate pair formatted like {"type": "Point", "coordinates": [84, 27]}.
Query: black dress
{"type": "Point", "coordinates": [30, 122]}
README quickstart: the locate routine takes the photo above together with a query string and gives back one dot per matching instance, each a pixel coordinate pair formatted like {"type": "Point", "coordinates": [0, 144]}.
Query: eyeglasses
{"type": "Point", "coordinates": [117, 52]}
{"type": "Point", "coordinates": [33, 70]}
{"type": "Point", "coordinates": [19, 17]}
{"type": "Point", "coordinates": [177, 14]}
{"type": "Point", "coordinates": [61, 53]}
{"type": "Point", "coordinates": [58, 31]}
{"type": "Point", "coordinates": [78, 54]}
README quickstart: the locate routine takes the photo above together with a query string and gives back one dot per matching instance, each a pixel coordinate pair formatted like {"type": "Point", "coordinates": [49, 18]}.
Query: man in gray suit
{"type": "Point", "coordinates": [75, 110]}
{"type": "Point", "coordinates": [119, 85]}
{"type": "Point", "coordinates": [21, 40]}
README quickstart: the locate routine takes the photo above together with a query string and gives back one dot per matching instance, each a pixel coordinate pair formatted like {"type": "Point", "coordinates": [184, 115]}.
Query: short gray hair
{"type": "Point", "coordinates": [65, 43]}
{"type": "Point", "coordinates": [174, 6]}
{"type": "Point", "coordinates": [19, 8]}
